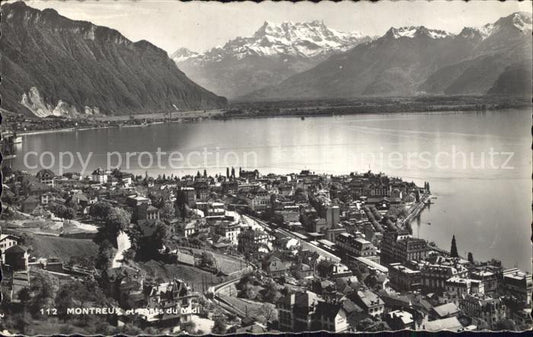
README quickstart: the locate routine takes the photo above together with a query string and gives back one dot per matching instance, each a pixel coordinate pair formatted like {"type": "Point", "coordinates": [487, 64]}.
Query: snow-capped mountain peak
{"type": "Point", "coordinates": [301, 39]}
{"type": "Point", "coordinates": [414, 31]}
{"type": "Point", "coordinates": [519, 20]}
{"type": "Point", "coordinates": [522, 21]}
{"type": "Point", "coordinates": [183, 54]}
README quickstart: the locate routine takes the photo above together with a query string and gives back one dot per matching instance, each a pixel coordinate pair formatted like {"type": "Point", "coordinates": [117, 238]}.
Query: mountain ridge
{"type": "Point", "coordinates": [415, 60]}
{"type": "Point", "coordinates": [111, 75]}
{"type": "Point", "coordinates": [271, 54]}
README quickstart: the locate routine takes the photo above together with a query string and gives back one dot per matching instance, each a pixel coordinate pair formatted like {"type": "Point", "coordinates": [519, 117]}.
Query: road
{"type": "Point", "coordinates": [214, 292]}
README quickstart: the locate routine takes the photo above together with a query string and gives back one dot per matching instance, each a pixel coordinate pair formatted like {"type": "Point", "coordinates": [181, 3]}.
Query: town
{"type": "Point", "coordinates": [239, 252]}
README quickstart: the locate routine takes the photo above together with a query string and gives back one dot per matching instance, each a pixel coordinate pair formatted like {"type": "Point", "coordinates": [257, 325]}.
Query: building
{"type": "Point", "coordinates": [189, 229]}
{"type": "Point", "coordinates": [13, 282]}
{"type": "Point", "coordinates": [215, 209]}
{"type": "Point", "coordinates": [403, 278]}
{"type": "Point", "coordinates": [192, 227]}
{"type": "Point", "coordinates": [6, 241]}
{"type": "Point", "coordinates": [317, 226]}
{"type": "Point", "coordinates": [258, 201]}
{"type": "Point", "coordinates": [189, 195]}
{"type": "Point", "coordinates": [230, 187]}
{"type": "Point", "coordinates": [174, 299]}
{"type": "Point", "coordinates": [518, 284]}
{"type": "Point", "coordinates": [46, 198]}
{"type": "Point", "coordinates": [400, 320]}
{"type": "Point", "coordinates": [253, 241]}
{"type": "Point", "coordinates": [369, 302]}
{"type": "Point", "coordinates": [275, 267]}
{"type": "Point", "coordinates": [333, 216]}
{"type": "Point", "coordinates": [202, 190]}
{"type": "Point", "coordinates": [331, 317]}
{"type": "Point", "coordinates": [145, 212]}
{"type": "Point", "coordinates": [340, 270]}
{"type": "Point", "coordinates": [434, 276]}
{"type": "Point", "coordinates": [445, 310]}
{"type": "Point", "coordinates": [46, 177]}
{"type": "Point", "coordinates": [249, 175]}
{"type": "Point", "coordinates": [290, 213]}
{"type": "Point", "coordinates": [99, 176]}
{"type": "Point", "coordinates": [439, 325]}
{"type": "Point", "coordinates": [17, 258]}
{"type": "Point", "coordinates": [355, 246]}
{"type": "Point", "coordinates": [285, 190]}
{"type": "Point", "coordinates": [303, 271]}
{"type": "Point", "coordinates": [457, 288]}
{"type": "Point", "coordinates": [490, 278]}
{"type": "Point", "coordinates": [483, 307]}
{"type": "Point", "coordinates": [305, 311]}
{"type": "Point", "coordinates": [228, 230]}
{"type": "Point", "coordinates": [152, 213]}
{"type": "Point", "coordinates": [401, 247]}
{"type": "Point", "coordinates": [137, 200]}
{"type": "Point", "coordinates": [295, 311]}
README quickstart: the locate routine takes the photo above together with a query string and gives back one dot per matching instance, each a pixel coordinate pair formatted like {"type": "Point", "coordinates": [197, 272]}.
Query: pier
{"type": "Point", "coordinates": [415, 210]}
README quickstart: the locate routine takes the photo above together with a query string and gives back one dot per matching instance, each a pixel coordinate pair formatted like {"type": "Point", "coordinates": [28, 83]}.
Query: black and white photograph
{"type": "Point", "coordinates": [222, 168]}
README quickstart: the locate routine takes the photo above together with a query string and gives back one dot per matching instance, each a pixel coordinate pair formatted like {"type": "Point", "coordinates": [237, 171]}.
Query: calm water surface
{"type": "Point", "coordinates": [487, 205]}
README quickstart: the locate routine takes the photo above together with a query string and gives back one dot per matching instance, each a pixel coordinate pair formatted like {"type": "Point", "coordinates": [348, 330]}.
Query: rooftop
{"type": "Point", "coordinates": [446, 309]}
{"type": "Point", "coordinates": [447, 324]}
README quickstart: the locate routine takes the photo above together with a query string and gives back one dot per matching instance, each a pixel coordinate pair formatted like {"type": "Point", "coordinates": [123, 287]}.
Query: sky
{"type": "Point", "coordinates": [200, 26]}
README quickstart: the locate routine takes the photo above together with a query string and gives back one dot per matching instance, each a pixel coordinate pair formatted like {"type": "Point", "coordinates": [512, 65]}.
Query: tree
{"type": "Point", "coordinates": [63, 211]}
{"type": "Point", "coordinates": [453, 249]}
{"type": "Point", "coordinates": [160, 234]}
{"type": "Point", "coordinates": [100, 210]}
{"type": "Point", "coordinates": [69, 213]}
{"type": "Point", "coordinates": [146, 247]}
{"type": "Point", "coordinates": [116, 221]}
{"type": "Point", "coordinates": [368, 324]}
{"type": "Point", "coordinates": [24, 295]}
{"type": "Point", "coordinates": [79, 294]}
{"type": "Point", "coordinates": [104, 256]}
{"type": "Point", "coordinates": [300, 195]}
{"type": "Point", "coordinates": [180, 204]}
{"type": "Point", "coordinates": [271, 293]}
{"type": "Point", "coordinates": [269, 311]}
{"type": "Point", "coordinates": [219, 327]}
{"type": "Point", "coordinates": [207, 260]}
{"type": "Point", "coordinates": [83, 261]}
{"type": "Point", "coordinates": [41, 288]}
{"type": "Point", "coordinates": [25, 239]}
{"type": "Point", "coordinates": [324, 268]}
{"type": "Point", "coordinates": [248, 292]}
{"type": "Point", "coordinates": [470, 257]}
{"type": "Point", "coordinates": [167, 212]}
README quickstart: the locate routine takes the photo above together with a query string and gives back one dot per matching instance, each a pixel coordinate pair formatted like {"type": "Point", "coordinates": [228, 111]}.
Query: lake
{"type": "Point", "coordinates": [478, 163]}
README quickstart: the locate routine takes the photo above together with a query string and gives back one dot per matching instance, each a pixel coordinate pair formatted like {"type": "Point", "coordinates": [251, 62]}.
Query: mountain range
{"type": "Point", "coordinates": [493, 59]}
{"type": "Point", "coordinates": [52, 65]}
{"type": "Point", "coordinates": [272, 54]}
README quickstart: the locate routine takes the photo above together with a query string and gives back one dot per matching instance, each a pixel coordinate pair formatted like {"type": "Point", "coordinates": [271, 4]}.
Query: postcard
{"type": "Point", "coordinates": [220, 168]}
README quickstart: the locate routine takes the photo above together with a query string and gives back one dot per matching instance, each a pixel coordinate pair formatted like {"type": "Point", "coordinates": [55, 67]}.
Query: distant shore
{"type": "Point", "coordinates": [300, 109]}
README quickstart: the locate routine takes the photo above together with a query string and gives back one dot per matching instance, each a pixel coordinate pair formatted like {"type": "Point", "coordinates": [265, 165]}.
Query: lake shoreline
{"type": "Point", "coordinates": [476, 204]}
{"type": "Point", "coordinates": [258, 116]}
